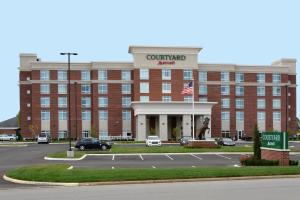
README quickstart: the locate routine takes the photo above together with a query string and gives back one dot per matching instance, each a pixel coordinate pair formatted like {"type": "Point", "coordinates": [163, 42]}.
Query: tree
{"type": "Point", "coordinates": [33, 129]}
{"type": "Point", "coordinates": [256, 144]}
{"type": "Point", "coordinates": [94, 132]}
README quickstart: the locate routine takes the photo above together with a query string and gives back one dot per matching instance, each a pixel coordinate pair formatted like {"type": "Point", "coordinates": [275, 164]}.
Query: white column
{"type": "Point", "coordinates": [163, 127]}
{"type": "Point", "coordinates": [186, 125]}
{"type": "Point", "coordinates": [141, 128]}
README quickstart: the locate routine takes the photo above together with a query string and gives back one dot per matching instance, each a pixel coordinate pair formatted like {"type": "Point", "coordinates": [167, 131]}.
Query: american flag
{"type": "Point", "coordinates": [188, 88]}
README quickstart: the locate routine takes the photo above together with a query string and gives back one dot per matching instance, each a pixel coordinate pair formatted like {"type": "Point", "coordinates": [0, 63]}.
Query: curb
{"type": "Point", "coordinates": [6, 178]}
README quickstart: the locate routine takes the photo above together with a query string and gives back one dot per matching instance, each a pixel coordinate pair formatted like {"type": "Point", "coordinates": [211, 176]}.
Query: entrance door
{"type": "Point", "coordinates": [240, 134]}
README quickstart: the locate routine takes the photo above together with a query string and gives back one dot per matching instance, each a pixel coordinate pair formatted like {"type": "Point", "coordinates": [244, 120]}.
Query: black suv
{"type": "Point", "coordinates": [92, 143]}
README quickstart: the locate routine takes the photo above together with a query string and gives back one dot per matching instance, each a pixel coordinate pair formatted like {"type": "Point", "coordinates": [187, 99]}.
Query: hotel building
{"type": "Point", "coordinates": [135, 99]}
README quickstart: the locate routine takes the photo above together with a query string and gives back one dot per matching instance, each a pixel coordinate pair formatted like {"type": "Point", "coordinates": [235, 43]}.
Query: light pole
{"type": "Point", "coordinates": [69, 97]}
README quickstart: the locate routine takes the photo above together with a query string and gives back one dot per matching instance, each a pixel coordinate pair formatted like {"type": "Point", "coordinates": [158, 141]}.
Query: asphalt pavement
{"type": "Point", "coordinates": [262, 189]}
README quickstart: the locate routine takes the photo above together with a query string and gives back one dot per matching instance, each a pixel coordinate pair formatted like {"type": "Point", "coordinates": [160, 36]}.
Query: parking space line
{"type": "Point", "coordinates": [113, 157]}
{"type": "Point", "coordinates": [141, 157]}
{"type": "Point", "coordinates": [199, 158]}
{"type": "Point", "coordinates": [153, 167]}
{"type": "Point", "coordinates": [223, 156]}
{"type": "Point", "coordinates": [169, 157]}
{"type": "Point", "coordinates": [112, 167]}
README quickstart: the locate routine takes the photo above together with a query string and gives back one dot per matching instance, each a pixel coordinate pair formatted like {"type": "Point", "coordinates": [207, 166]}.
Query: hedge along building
{"type": "Point", "coordinates": [144, 96]}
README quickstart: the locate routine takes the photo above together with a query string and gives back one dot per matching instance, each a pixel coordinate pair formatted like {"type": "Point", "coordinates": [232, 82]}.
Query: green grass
{"type": "Point", "coordinates": [164, 149]}
{"type": "Point", "coordinates": [59, 173]}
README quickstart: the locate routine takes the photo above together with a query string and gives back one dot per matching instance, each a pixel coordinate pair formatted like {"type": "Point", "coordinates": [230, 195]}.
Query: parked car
{"type": "Point", "coordinates": [153, 141]}
{"type": "Point", "coordinates": [226, 142]}
{"type": "Point", "coordinates": [92, 143]}
{"type": "Point", "coordinates": [43, 138]}
{"type": "Point", "coordinates": [7, 137]}
{"type": "Point", "coordinates": [184, 140]}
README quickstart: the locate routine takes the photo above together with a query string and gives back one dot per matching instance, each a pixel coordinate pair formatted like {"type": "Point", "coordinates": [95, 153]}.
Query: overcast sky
{"type": "Point", "coordinates": [229, 31]}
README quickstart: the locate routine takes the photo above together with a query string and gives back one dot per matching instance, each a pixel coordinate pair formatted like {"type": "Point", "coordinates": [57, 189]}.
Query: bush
{"type": "Point", "coordinates": [251, 161]}
{"type": "Point", "coordinates": [293, 163]}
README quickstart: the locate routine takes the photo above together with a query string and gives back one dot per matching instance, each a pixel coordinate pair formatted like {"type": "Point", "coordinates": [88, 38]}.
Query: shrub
{"type": "Point", "coordinates": [251, 161]}
{"type": "Point", "coordinates": [256, 144]}
{"type": "Point", "coordinates": [293, 163]}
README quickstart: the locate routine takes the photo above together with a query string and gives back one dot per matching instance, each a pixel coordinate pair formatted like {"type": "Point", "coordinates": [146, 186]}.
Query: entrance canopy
{"type": "Point", "coordinates": [171, 108]}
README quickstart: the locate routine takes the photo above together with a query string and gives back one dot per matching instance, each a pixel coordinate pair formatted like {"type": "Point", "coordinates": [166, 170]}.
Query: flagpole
{"type": "Point", "coordinates": [193, 110]}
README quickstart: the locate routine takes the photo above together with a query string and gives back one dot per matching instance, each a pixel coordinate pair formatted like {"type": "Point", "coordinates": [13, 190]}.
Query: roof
{"type": "Point", "coordinates": [10, 123]}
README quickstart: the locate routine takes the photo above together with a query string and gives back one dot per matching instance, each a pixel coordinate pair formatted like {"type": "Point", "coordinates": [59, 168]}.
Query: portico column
{"type": "Point", "coordinates": [208, 133]}
{"type": "Point", "coordinates": [163, 127]}
{"type": "Point", "coordinates": [186, 125]}
{"type": "Point", "coordinates": [141, 128]}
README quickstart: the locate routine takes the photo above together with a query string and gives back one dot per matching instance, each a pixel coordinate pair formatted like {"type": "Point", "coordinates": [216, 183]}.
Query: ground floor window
{"type": "Point", "coordinates": [62, 134]}
{"type": "Point", "coordinates": [226, 134]}
{"type": "Point", "coordinates": [85, 133]}
{"type": "Point", "coordinates": [103, 135]}
{"type": "Point", "coordinates": [45, 132]}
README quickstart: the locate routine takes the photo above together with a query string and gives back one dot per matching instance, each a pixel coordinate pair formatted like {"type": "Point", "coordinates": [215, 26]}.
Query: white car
{"type": "Point", "coordinates": [153, 141]}
{"type": "Point", "coordinates": [7, 137]}
{"type": "Point", "coordinates": [43, 138]}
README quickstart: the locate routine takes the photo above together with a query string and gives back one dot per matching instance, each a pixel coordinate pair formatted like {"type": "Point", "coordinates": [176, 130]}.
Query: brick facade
{"type": "Point", "coordinates": [282, 156]}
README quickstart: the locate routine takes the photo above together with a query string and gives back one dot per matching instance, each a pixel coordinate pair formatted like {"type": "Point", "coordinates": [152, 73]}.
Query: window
{"type": "Point", "coordinates": [225, 134]}
{"type": "Point", "coordinates": [239, 90]}
{"type": "Point", "coordinates": [86, 102]}
{"type": "Point", "coordinates": [225, 115]}
{"type": "Point", "coordinates": [276, 91]}
{"type": "Point", "coordinates": [225, 103]}
{"type": "Point", "coordinates": [239, 103]}
{"type": "Point", "coordinates": [85, 133]}
{"type": "Point", "coordinates": [62, 134]}
{"type": "Point", "coordinates": [85, 89]}
{"type": "Point", "coordinates": [62, 88]}
{"type": "Point", "coordinates": [144, 74]}
{"type": "Point", "coordinates": [166, 98]}
{"type": "Point", "coordinates": [260, 78]}
{"type": "Point", "coordinates": [225, 76]}
{"type": "Point", "coordinates": [45, 115]}
{"type": "Point", "coordinates": [102, 88]}
{"type": "Point", "coordinates": [276, 78]}
{"type": "Point", "coordinates": [126, 115]}
{"type": "Point", "coordinates": [187, 74]}
{"type": "Point", "coordinates": [166, 74]}
{"type": "Point", "coordinates": [239, 77]}
{"type": "Point", "coordinates": [225, 89]}
{"type": "Point", "coordinates": [85, 75]}
{"type": "Point", "coordinates": [202, 76]}
{"type": "Point", "coordinates": [276, 116]}
{"type": "Point", "coordinates": [276, 104]}
{"type": "Point", "coordinates": [62, 102]}
{"type": "Point", "coordinates": [126, 75]}
{"type": "Point", "coordinates": [261, 91]}
{"type": "Point", "coordinates": [144, 87]}
{"type": "Point", "coordinates": [102, 102]}
{"type": "Point", "coordinates": [202, 89]}
{"type": "Point", "coordinates": [261, 103]}
{"type": "Point", "coordinates": [62, 115]}
{"type": "Point", "coordinates": [188, 98]}
{"type": "Point", "coordinates": [62, 75]}
{"type": "Point", "coordinates": [203, 99]}
{"type": "Point", "coordinates": [86, 115]}
{"type": "Point", "coordinates": [102, 74]}
{"type": "Point", "coordinates": [261, 116]}
{"type": "Point", "coordinates": [45, 88]}
{"type": "Point", "coordinates": [103, 135]}
{"type": "Point", "coordinates": [45, 102]}
{"type": "Point", "coordinates": [166, 87]}
{"type": "Point", "coordinates": [126, 88]}
{"type": "Point", "coordinates": [239, 116]}
{"type": "Point", "coordinates": [102, 114]}
{"type": "Point", "coordinates": [144, 98]}
{"type": "Point", "coordinates": [44, 75]}
{"type": "Point", "coordinates": [126, 102]}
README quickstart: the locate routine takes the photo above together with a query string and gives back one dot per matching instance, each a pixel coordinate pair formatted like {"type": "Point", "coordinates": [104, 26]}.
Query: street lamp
{"type": "Point", "coordinates": [69, 97]}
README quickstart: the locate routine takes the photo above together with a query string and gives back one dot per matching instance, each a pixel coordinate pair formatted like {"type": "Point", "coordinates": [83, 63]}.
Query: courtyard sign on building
{"type": "Point", "coordinates": [274, 140]}
{"type": "Point", "coordinates": [165, 59]}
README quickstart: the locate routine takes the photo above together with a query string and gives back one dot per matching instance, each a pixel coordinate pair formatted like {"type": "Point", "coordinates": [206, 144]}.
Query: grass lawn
{"type": "Point", "coordinates": [164, 149]}
{"type": "Point", "coordinates": [59, 173]}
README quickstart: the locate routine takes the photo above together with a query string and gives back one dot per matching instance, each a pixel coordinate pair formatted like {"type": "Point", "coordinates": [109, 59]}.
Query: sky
{"type": "Point", "coordinates": [231, 31]}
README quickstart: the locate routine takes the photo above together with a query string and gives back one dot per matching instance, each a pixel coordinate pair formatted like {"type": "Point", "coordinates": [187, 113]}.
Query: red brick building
{"type": "Point", "coordinates": [144, 96]}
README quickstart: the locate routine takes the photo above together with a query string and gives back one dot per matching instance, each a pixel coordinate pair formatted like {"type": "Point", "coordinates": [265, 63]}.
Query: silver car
{"type": "Point", "coordinates": [43, 138]}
